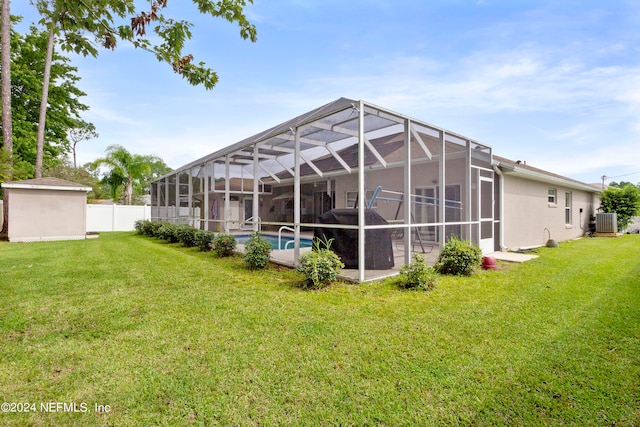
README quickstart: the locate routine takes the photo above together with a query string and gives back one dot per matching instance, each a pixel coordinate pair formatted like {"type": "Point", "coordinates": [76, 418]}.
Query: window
{"type": "Point", "coordinates": [567, 208]}
{"type": "Point", "coordinates": [551, 196]}
{"type": "Point", "coordinates": [352, 197]}
{"type": "Point", "coordinates": [426, 212]}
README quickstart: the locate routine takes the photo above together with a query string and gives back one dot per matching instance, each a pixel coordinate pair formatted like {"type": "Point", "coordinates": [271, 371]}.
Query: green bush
{"type": "Point", "coordinates": [168, 232]}
{"type": "Point", "coordinates": [203, 239]}
{"type": "Point", "coordinates": [187, 235]}
{"type": "Point", "coordinates": [458, 258]}
{"type": "Point", "coordinates": [139, 226]}
{"type": "Point", "coordinates": [147, 227]}
{"type": "Point", "coordinates": [224, 245]}
{"type": "Point", "coordinates": [624, 199]}
{"type": "Point", "coordinates": [256, 251]}
{"type": "Point", "coordinates": [320, 266]}
{"type": "Point", "coordinates": [418, 274]}
{"type": "Point", "coordinates": [151, 228]}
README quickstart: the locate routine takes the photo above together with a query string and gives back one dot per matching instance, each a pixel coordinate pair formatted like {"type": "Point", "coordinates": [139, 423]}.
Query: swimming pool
{"type": "Point", "coordinates": [273, 240]}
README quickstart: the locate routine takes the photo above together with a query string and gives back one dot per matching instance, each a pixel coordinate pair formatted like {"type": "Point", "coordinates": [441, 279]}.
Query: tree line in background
{"type": "Point", "coordinates": [120, 175]}
{"type": "Point", "coordinates": [39, 96]}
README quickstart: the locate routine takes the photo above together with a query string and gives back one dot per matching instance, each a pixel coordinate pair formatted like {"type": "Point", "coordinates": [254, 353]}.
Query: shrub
{"type": "Point", "coordinates": [458, 258]}
{"type": "Point", "coordinates": [224, 245]}
{"type": "Point", "coordinates": [418, 274]}
{"type": "Point", "coordinates": [203, 239]}
{"type": "Point", "coordinates": [147, 227]}
{"type": "Point", "coordinates": [320, 266]}
{"type": "Point", "coordinates": [256, 251]}
{"type": "Point", "coordinates": [151, 228]}
{"type": "Point", "coordinates": [168, 232]}
{"type": "Point", "coordinates": [139, 226]}
{"type": "Point", "coordinates": [187, 235]}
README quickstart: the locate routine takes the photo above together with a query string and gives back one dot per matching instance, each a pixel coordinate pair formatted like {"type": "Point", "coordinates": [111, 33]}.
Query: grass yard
{"type": "Point", "coordinates": [165, 335]}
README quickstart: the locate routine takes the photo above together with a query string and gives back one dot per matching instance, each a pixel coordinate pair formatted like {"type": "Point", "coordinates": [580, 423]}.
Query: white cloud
{"type": "Point", "coordinates": [545, 82]}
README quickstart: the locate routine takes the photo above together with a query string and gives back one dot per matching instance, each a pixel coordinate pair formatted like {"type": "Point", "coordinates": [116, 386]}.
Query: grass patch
{"type": "Point", "coordinates": [167, 335]}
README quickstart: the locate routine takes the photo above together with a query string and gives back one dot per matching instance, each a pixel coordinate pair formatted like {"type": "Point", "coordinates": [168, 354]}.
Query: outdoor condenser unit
{"type": "Point", "coordinates": [606, 222]}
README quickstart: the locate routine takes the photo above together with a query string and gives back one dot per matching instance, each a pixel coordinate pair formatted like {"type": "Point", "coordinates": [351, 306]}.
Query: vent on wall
{"type": "Point", "coordinates": [606, 222]}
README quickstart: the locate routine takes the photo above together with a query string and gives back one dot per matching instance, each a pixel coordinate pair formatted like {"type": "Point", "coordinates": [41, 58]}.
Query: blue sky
{"type": "Point", "coordinates": [554, 83]}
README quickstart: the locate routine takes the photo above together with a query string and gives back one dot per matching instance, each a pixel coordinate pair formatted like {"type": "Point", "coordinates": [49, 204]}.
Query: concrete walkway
{"type": "Point", "coordinates": [512, 256]}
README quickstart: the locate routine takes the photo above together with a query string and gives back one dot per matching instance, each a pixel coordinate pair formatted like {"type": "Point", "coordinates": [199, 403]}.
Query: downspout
{"type": "Point", "coordinates": [497, 170]}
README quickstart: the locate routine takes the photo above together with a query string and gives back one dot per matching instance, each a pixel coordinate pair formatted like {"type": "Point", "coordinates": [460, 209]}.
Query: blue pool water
{"type": "Point", "coordinates": [273, 240]}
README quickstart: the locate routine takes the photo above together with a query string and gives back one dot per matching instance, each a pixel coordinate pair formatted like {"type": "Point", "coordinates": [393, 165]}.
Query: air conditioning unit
{"type": "Point", "coordinates": [606, 223]}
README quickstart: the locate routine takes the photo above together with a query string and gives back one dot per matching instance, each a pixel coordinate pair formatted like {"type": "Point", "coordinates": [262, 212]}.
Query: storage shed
{"type": "Point", "coordinates": [45, 209]}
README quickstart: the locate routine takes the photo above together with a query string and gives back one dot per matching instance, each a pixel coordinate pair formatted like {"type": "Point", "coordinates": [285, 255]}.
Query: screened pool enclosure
{"type": "Point", "coordinates": [382, 185]}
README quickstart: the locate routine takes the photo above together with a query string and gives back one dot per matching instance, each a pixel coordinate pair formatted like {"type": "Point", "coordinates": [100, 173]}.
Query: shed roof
{"type": "Point", "coordinates": [48, 183]}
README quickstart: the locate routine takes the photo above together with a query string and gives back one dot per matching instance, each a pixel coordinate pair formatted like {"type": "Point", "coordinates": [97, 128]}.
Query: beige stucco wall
{"type": "Point", "coordinates": [527, 213]}
{"type": "Point", "coordinates": [36, 215]}
{"type": "Point", "coordinates": [391, 178]}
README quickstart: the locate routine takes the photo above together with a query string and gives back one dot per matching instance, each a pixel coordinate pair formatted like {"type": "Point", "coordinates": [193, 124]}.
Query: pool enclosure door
{"type": "Point", "coordinates": [234, 214]}
{"type": "Point", "coordinates": [486, 214]}
{"type": "Point", "coordinates": [248, 213]}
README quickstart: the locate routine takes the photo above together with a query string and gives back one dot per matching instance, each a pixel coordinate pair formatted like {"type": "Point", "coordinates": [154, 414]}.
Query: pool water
{"type": "Point", "coordinates": [273, 241]}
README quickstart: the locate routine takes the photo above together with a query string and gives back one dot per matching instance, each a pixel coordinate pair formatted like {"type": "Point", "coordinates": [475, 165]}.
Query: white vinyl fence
{"type": "Point", "coordinates": [115, 217]}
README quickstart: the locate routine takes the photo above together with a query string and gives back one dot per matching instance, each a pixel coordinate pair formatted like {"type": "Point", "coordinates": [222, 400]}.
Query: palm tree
{"type": "Point", "coordinates": [131, 167]}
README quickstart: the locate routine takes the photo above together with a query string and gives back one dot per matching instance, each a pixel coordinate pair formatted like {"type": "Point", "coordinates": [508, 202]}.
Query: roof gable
{"type": "Point", "coordinates": [523, 170]}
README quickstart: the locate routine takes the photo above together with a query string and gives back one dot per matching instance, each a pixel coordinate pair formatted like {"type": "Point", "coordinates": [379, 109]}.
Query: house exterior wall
{"type": "Point", "coordinates": [423, 175]}
{"type": "Point", "coordinates": [40, 215]}
{"type": "Point", "coordinates": [528, 214]}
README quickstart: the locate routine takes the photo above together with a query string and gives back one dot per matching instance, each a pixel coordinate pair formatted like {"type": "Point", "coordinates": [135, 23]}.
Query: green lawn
{"type": "Point", "coordinates": [170, 336]}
